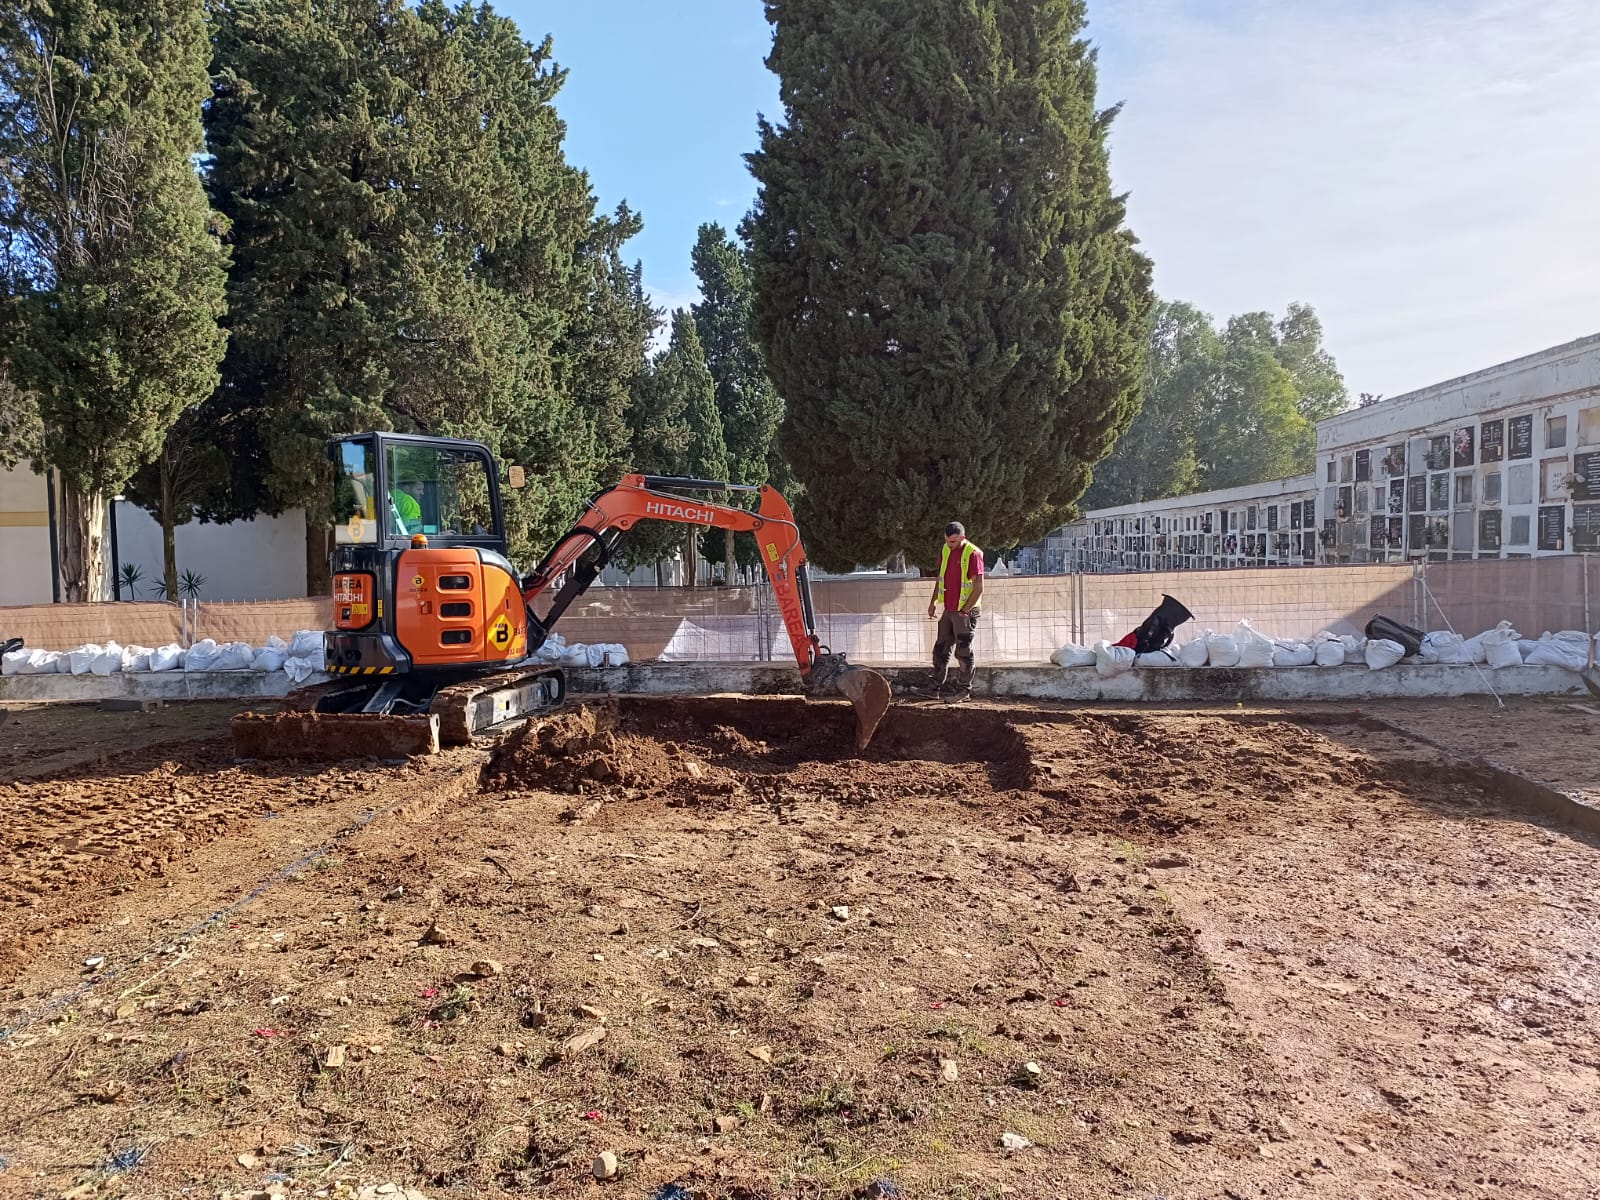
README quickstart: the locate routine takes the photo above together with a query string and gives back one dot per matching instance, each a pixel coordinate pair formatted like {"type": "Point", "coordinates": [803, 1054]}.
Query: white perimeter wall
{"type": "Point", "coordinates": [260, 559]}
{"type": "Point", "coordinates": [24, 538]}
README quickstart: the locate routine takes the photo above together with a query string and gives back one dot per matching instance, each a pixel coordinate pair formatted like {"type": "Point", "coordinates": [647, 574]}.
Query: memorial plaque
{"type": "Point", "coordinates": [1553, 527]}
{"type": "Point", "coordinates": [1586, 526]}
{"type": "Point", "coordinates": [1463, 445]}
{"type": "Point", "coordinates": [1492, 441]}
{"type": "Point", "coordinates": [1519, 431]}
{"type": "Point", "coordinates": [1418, 496]}
{"type": "Point", "coordinates": [1489, 526]}
{"type": "Point", "coordinates": [1586, 475]}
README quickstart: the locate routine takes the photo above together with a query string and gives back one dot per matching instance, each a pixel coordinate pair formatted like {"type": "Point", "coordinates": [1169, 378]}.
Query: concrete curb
{"type": "Point", "coordinates": [1165, 685]}
{"type": "Point", "coordinates": [1150, 685]}
{"type": "Point", "coordinates": [153, 685]}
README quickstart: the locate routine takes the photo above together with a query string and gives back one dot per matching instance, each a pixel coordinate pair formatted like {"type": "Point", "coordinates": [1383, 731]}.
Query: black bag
{"type": "Point", "coordinates": [6, 647]}
{"type": "Point", "coordinates": [1383, 627]}
{"type": "Point", "coordinates": [1158, 628]}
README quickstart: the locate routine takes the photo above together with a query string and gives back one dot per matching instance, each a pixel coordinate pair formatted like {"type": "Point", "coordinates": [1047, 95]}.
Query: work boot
{"type": "Point", "coordinates": [958, 695]}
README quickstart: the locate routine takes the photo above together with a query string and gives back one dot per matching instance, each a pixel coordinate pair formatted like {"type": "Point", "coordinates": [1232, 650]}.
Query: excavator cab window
{"type": "Point", "coordinates": [441, 491]}
{"type": "Point", "coordinates": [355, 508]}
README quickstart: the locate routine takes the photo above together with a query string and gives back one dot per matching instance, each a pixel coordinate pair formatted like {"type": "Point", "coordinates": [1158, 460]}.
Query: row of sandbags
{"type": "Point", "coordinates": [299, 658]}
{"type": "Point", "coordinates": [1246, 646]}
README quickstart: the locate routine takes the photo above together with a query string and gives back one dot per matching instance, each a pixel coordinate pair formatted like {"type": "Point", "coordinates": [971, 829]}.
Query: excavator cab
{"type": "Point", "coordinates": [421, 579]}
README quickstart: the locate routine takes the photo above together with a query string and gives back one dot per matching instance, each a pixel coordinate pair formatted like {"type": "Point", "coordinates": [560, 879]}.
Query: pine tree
{"type": "Point", "coordinates": [746, 400]}
{"type": "Point", "coordinates": [949, 301]}
{"type": "Point", "coordinates": [114, 258]}
{"type": "Point", "coordinates": [407, 246]}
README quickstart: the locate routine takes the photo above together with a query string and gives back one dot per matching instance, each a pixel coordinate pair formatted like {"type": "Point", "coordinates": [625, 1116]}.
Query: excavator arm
{"type": "Point", "coordinates": [615, 511]}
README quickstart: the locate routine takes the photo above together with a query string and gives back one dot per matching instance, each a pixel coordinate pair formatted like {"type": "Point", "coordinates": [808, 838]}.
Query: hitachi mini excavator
{"type": "Point", "coordinates": [434, 629]}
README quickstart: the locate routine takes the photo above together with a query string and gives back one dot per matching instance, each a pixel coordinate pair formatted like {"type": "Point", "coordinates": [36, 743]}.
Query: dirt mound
{"type": "Point", "coordinates": [581, 749]}
{"type": "Point", "coordinates": [704, 749]}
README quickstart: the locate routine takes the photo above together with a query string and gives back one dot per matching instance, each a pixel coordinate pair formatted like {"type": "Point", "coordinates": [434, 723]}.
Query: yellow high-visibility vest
{"type": "Point", "coordinates": [967, 551]}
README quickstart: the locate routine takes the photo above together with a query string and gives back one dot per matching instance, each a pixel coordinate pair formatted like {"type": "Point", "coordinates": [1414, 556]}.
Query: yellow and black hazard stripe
{"type": "Point", "coordinates": [389, 670]}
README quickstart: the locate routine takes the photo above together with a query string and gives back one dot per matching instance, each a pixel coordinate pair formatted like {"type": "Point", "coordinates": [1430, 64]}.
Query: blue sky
{"type": "Point", "coordinates": [1425, 172]}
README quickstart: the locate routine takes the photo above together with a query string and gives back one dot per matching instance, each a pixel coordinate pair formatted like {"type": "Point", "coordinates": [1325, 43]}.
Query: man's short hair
{"type": "Point", "coordinates": [955, 529]}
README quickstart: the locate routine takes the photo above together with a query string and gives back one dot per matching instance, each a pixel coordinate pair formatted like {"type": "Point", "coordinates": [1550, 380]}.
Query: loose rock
{"type": "Point", "coordinates": [605, 1165]}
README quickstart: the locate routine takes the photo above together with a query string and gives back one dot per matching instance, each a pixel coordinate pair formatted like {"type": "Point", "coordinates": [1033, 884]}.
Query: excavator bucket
{"type": "Point", "coordinates": [870, 694]}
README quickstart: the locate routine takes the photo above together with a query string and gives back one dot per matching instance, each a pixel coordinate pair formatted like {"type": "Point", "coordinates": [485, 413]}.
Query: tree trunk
{"type": "Point", "coordinates": [319, 579]}
{"type": "Point", "coordinates": [83, 546]}
{"type": "Point", "coordinates": [691, 559]}
{"type": "Point", "coordinates": [727, 552]}
{"type": "Point", "coordinates": [169, 537]}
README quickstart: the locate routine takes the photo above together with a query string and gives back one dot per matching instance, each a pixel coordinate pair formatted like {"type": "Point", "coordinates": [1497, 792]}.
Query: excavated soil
{"type": "Point", "coordinates": [1004, 951]}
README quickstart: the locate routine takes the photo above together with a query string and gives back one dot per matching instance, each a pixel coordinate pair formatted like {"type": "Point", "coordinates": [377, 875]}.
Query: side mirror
{"type": "Point", "coordinates": [517, 477]}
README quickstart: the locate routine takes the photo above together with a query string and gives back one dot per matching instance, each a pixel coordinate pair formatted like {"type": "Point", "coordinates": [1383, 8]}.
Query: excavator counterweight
{"type": "Point", "coordinates": [435, 634]}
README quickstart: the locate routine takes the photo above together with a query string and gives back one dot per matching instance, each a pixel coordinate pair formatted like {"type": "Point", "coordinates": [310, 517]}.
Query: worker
{"type": "Point", "coordinates": [406, 508]}
{"type": "Point", "coordinates": [959, 585]}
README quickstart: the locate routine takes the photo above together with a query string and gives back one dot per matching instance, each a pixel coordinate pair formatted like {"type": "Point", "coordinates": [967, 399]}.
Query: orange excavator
{"type": "Point", "coordinates": [435, 631]}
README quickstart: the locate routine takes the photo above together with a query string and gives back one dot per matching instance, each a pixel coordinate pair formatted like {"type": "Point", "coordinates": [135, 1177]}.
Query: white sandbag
{"type": "Point", "coordinates": [167, 658]}
{"type": "Point", "coordinates": [1255, 648]}
{"type": "Point", "coordinates": [273, 654]}
{"type": "Point", "coordinates": [1073, 655]}
{"type": "Point", "coordinates": [33, 662]}
{"type": "Point", "coordinates": [307, 643]}
{"type": "Point", "coordinates": [299, 669]}
{"type": "Point", "coordinates": [1112, 660]}
{"type": "Point", "coordinates": [202, 656]}
{"type": "Point", "coordinates": [1473, 651]}
{"type": "Point", "coordinates": [1500, 646]}
{"type": "Point", "coordinates": [1329, 650]}
{"type": "Point", "coordinates": [1525, 647]}
{"type": "Point", "coordinates": [1443, 647]}
{"type": "Point", "coordinates": [1194, 654]}
{"type": "Point", "coordinates": [1157, 659]}
{"type": "Point", "coordinates": [1222, 650]}
{"type": "Point", "coordinates": [1381, 653]}
{"type": "Point", "coordinates": [551, 652]}
{"type": "Point", "coordinates": [605, 654]}
{"type": "Point", "coordinates": [234, 656]}
{"type": "Point", "coordinates": [83, 657]}
{"type": "Point", "coordinates": [269, 659]}
{"type": "Point", "coordinates": [1294, 654]}
{"type": "Point", "coordinates": [108, 660]}
{"type": "Point", "coordinates": [575, 655]}
{"type": "Point", "coordinates": [136, 658]}
{"type": "Point", "coordinates": [1569, 649]}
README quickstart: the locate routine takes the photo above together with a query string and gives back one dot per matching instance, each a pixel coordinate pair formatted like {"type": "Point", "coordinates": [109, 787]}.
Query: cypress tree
{"type": "Point", "coordinates": [115, 264]}
{"type": "Point", "coordinates": [677, 431]}
{"type": "Point", "coordinates": [746, 400]}
{"type": "Point", "coordinates": [949, 301]}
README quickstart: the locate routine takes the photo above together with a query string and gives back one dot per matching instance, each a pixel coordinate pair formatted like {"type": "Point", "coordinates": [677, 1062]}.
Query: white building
{"type": "Point", "coordinates": [1503, 463]}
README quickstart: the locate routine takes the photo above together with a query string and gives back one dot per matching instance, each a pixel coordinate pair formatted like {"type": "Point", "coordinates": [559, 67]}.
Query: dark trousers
{"type": "Point", "coordinates": [956, 631]}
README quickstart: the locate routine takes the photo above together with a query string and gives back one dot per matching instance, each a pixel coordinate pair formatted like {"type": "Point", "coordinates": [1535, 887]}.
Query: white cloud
{"type": "Point", "coordinates": [668, 300]}
{"type": "Point", "coordinates": [1425, 173]}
